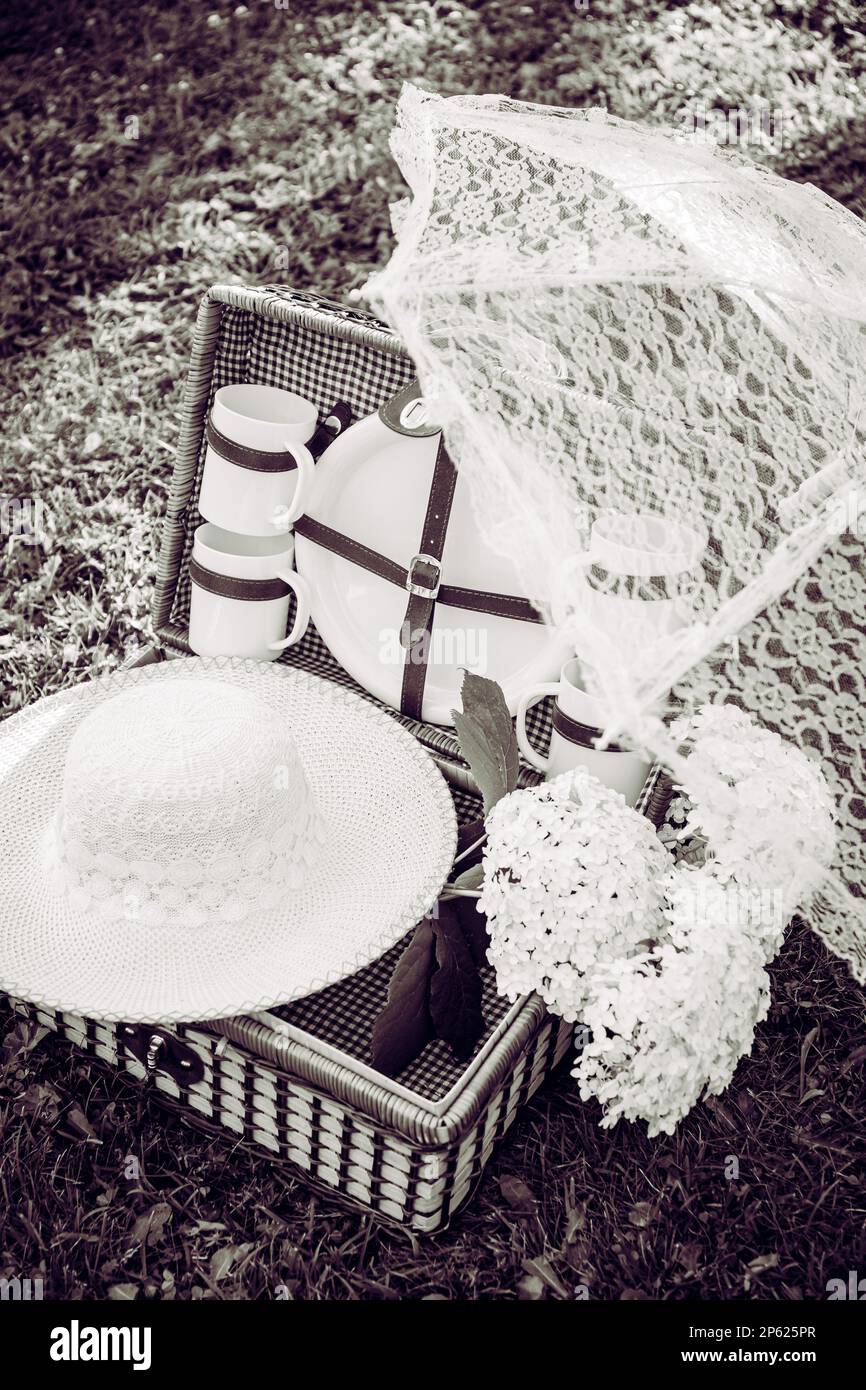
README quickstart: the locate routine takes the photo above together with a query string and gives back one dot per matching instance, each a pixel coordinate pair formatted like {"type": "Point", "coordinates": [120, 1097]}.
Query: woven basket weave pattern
{"type": "Point", "coordinates": [417, 1181]}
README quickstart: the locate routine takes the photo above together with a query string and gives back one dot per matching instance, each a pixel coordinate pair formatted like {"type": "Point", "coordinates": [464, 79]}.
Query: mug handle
{"type": "Point", "coordinates": [301, 591]}
{"type": "Point", "coordinates": [539, 692]}
{"type": "Point", "coordinates": [306, 475]}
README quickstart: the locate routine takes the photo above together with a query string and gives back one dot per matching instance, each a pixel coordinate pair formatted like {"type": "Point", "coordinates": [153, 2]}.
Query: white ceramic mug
{"type": "Point", "coordinates": [258, 472]}
{"type": "Point", "coordinates": [239, 602]}
{"type": "Point", "coordinates": [636, 547]}
{"type": "Point", "coordinates": [578, 719]}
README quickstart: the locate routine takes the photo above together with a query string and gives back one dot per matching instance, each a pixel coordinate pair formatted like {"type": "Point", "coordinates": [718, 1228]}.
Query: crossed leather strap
{"type": "Point", "coordinates": [424, 583]}
{"type": "Point", "coordinates": [422, 580]}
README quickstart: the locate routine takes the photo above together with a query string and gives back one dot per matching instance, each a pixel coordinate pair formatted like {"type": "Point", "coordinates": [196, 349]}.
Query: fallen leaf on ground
{"type": "Point", "coordinates": [80, 1123]}
{"type": "Point", "coordinates": [22, 1038]}
{"type": "Point", "coordinates": [531, 1288]}
{"type": "Point", "coordinates": [224, 1260]}
{"type": "Point", "coordinates": [38, 1100]}
{"type": "Point", "coordinates": [544, 1270]}
{"type": "Point", "coordinates": [641, 1214]}
{"type": "Point", "coordinates": [518, 1196]}
{"type": "Point", "coordinates": [123, 1293]}
{"type": "Point", "coordinates": [758, 1266]}
{"type": "Point", "coordinates": [149, 1227]}
{"type": "Point", "coordinates": [689, 1257]}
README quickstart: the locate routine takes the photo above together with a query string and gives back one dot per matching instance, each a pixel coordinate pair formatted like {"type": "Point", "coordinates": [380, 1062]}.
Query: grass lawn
{"type": "Point", "coordinates": [150, 151]}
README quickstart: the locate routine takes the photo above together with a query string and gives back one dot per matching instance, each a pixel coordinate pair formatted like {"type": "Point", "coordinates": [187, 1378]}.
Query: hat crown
{"type": "Point", "coordinates": [191, 755]}
{"type": "Point", "coordinates": [183, 801]}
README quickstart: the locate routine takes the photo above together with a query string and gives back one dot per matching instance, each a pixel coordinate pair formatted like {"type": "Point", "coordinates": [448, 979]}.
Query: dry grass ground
{"type": "Point", "coordinates": [152, 150]}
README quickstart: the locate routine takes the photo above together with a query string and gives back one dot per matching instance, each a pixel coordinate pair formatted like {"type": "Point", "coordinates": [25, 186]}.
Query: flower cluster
{"type": "Point", "coordinates": [777, 830]}
{"type": "Point", "coordinates": [571, 879]}
{"type": "Point", "coordinates": [671, 1025]}
{"type": "Point", "coordinates": [663, 961]}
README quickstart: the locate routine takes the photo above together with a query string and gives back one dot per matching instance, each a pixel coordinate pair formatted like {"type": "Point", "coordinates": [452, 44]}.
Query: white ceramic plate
{"type": "Point", "coordinates": [372, 484]}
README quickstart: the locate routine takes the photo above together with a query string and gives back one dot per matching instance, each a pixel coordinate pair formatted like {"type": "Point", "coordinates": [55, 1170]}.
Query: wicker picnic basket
{"type": "Point", "coordinates": [296, 1082]}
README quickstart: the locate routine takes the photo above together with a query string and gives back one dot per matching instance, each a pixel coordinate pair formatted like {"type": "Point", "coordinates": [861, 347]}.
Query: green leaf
{"type": "Point", "coordinates": [483, 700]}
{"type": "Point", "coordinates": [483, 764]}
{"type": "Point", "coordinates": [404, 1027]}
{"type": "Point", "coordinates": [455, 989]}
{"type": "Point", "coordinates": [487, 739]}
{"type": "Point", "coordinates": [473, 924]}
{"type": "Point", "coordinates": [470, 878]}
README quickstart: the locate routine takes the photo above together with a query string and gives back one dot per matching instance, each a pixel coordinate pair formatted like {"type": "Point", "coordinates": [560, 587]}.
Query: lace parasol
{"type": "Point", "coordinates": [649, 360]}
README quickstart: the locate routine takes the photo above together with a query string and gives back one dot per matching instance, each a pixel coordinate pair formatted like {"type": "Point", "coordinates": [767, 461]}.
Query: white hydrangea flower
{"type": "Point", "coordinates": [778, 831]}
{"type": "Point", "coordinates": [670, 1026]}
{"type": "Point", "coordinates": [659, 955]}
{"type": "Point", "coordinates": [572, 878]}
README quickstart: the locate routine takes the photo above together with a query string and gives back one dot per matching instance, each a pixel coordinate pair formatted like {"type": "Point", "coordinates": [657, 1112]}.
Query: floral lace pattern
{"type": "Point", "coordinates": [196, 891]}
{"type": "Point", "coordinates": [615, 322]}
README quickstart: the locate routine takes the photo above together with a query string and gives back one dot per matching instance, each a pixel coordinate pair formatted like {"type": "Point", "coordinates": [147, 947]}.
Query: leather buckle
{"type": "Point", "coordinates": [424, 576]}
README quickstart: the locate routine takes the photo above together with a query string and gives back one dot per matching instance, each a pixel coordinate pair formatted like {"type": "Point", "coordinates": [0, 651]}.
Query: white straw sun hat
{"type": "Point", "coordinates": [201, 838]}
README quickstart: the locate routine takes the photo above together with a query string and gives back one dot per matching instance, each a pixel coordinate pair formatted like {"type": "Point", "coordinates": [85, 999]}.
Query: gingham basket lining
{"type": "Point", "coordinates": [343, 1015]}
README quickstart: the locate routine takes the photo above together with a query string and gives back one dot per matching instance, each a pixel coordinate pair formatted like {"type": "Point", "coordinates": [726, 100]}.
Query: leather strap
{"type": "Point", "coordinates": [497, 605]}
{"type": "Point", "coordinates": [452, 595]}
{"type": "Point", "coordinates": [352, 550]}
{"type": "Point", "coordinates": [432, 544]}
{"type": "Point", "coordinates": [424, 583]}
{"type": "Point", "coordinates": [422, 578]}
{"type": "Point", "coordinates": [406, 413]}
{"type": "Point", "coordinates": [336, 420]}
{"type": "Point", "coordinates": [227, 586]}
{"type": "Point", "coordinates": [583, 734]}
{"type": "Point", "coordinates": [259, 460]}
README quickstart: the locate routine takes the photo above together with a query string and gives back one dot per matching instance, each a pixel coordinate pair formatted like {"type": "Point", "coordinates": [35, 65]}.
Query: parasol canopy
{"type": "Point", "coordinates": [649, 360]}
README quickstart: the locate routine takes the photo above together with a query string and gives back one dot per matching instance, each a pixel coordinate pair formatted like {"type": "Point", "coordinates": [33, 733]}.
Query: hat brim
{"type": "Point", "coordinates": [390, 841]}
